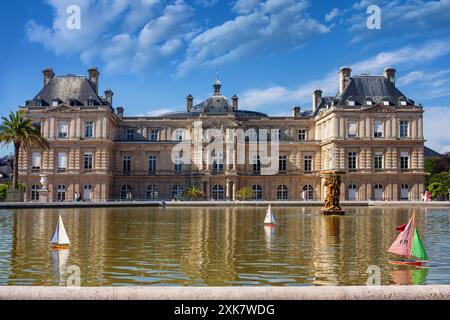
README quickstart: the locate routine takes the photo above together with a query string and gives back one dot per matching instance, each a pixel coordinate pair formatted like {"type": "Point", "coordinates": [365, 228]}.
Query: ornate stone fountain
{"type": "Point", "coordinates": [332, 183]}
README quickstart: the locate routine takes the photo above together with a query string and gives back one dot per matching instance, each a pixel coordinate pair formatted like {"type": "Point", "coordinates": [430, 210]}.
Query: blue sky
{"type": "Point", "coordinates": [271, 53]}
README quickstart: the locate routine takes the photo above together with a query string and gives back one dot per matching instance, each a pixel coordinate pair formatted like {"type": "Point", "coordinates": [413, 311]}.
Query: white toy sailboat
{"type": "Point", "coordinates": [270, 219]}
{"type": "Point", "coordinates": [60, 238]}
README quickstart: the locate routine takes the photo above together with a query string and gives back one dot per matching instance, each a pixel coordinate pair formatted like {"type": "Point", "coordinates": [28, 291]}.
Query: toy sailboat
{"type": "Point", "coordinates": [270, 219]}
{"type": "Point", "coordinates": [60, 239]}
{"type": "Point", "coordinates": [408, 244]}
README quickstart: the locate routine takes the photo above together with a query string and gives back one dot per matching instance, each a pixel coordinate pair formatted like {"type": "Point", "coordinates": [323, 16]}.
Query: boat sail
{"type": "Point", "coordinates": [408, 244]}
{"type": "Point", "coordinates": [270, 219]}
{"type": "Point", "coordinates": [60, 238]}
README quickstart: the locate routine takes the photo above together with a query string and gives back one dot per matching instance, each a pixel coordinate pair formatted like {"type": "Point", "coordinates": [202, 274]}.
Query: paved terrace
{"type": "Point", "coordinates": [100, 204]}
{"type": "Point", "coordinates": [428, 292]}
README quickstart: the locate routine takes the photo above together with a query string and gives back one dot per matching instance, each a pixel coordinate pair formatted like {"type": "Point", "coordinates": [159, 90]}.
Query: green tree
{"type": "Point", "coordinates": [21, 132]}
{"type": "Point", "coordinates": [437, 189]}
{"type": "Point", "coordinates": [195, 192]}
{"type": "Point", "coordinates": [244, 193]}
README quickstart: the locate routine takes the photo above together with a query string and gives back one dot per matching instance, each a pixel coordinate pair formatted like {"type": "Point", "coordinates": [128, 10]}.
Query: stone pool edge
{"type": "Point", "coordinates": [414, 292]}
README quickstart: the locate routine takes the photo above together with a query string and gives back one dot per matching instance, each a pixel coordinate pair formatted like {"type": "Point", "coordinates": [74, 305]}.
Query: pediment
{"type": "Point", "coordinates": [379, 108]}
{"type": "Point", "coordinates": [62, 108]}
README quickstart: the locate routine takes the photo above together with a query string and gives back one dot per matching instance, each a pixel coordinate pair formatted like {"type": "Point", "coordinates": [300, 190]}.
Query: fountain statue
{"type": "Point", "coordinates": [43, 191]}
{"type": "Point", "coordinates": [333, 187]}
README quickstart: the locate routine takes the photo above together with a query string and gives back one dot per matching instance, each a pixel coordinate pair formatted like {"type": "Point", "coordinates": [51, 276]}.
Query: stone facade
{"type": "Point", "coordinates": [369, 129]}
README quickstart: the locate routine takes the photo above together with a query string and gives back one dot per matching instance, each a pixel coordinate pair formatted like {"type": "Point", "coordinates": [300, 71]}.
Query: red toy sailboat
{"type": "Point", "coordinates": [409, 245]}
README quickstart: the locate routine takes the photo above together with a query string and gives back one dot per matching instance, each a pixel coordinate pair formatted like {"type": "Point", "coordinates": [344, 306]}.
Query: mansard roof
{"type": "Point", "coordinates": [375, 88]}
{"type": "Point", "coordinates": [67, 89]}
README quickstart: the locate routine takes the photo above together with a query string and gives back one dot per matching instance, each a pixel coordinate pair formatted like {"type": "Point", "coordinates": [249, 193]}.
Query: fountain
{"type": "Point", "coordinates": [332, 184]}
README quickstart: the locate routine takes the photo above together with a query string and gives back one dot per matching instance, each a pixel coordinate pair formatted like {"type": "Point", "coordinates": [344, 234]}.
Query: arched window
{"type": "Point", "coordinates": [378, 194]}
{"type": "Point", "coordinates": [152, 192]}
{"type": "Point", "coordinates": [257, 192]}
{"type": "Point", "coordinates": [309, 192]}
{"type": "Point", "coordinates": [61, 193]}
{"type": "Point", "coordinates": [217, 192]}
{"type": "Point", "coordinates": [352, 192]}
{"type": "Point", "coordinates": [126, 192]}
{"type": "Point", "coordinates": [177, 192]}
{"type": "Point", "coordinates": [35, 192]}
{"type": "Point", "coordinates": [87, 192]}
{"type": "Point", "coordinates": [404, 192]}
{"type": "Point", "coordinates": [282, 192]}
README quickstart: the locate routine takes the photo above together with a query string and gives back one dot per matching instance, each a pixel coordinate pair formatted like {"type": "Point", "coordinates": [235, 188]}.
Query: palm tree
{"type": "Point", "coordinates": [21, 132]}
{"type": "Point", "coordinates": [195, 192]}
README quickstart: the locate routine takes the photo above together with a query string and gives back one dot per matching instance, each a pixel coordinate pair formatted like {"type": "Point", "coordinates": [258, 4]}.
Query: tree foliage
{"type": "Point", "coordinates": [244, 193]}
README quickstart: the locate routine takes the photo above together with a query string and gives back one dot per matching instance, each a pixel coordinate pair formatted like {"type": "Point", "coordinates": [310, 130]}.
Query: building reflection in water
{"type": "Point", "coordinates": [200, 246]}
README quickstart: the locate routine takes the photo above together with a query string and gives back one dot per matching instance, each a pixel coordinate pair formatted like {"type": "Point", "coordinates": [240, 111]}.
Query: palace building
{"type": "Point", "coordinates": [369, 129]}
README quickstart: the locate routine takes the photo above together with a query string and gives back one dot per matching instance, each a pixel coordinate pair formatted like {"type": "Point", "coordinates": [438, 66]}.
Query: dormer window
{"type": "Point", "coordinates": [90, 102]}
{"type": "Point", "coordinates": [72, 102]}
{"type": "Point", "coordinates": [368, 102]}
{"type": "Point", "coordinates": [55, 102]}
{"type": "Point", "coordinates": [385, 102]}
{"type": "Point", "coordinates": [403, 103]}
{"type": "Point", "coordinates": [38, 103]}
{"type": "Point", "coordinates": [351, 103]}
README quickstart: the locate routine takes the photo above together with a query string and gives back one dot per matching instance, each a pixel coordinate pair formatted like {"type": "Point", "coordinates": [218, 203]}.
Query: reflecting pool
{"type": "Point", "coordinates": [217, 246]}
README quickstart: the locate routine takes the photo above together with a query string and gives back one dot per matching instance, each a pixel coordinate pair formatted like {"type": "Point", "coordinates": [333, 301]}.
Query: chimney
{"type": "Point", "coordinates": [344, 78]}
{"type": "Point", "coordinates": [316, 97]}
{"type": "Point", "coordinates": [94, 76]}
{"type": "Point", "coordinates": [48, 75]}
{"type": "Point", "coordinates": [109, 96]}
{"type": "Point", "coordinates": [296, 111]}
{"type": "Point", "coordinates": [389, 73]}
{"type": "Point", "coordinates": [189, 103]}
{"type": "Point", "coordinates": [119, 111]}
{"type": "Point", "coordinates": [234, 102]}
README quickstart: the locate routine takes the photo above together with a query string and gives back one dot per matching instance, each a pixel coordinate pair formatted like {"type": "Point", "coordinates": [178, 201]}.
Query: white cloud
{"type": "Point", "coordinates": [280, 23]}
{"type": "Point", "coordinates": [245, 6]}
{"type": "Point", "coordinates": [435, 124]}
{"type": "Point", "coordinates": [404, 57]}
{"type": "Point", "coordinates": [150, 32]}
{"type": "Point", "coordinates": [155, 112]}
{"type": "Point", "coordinates": [335, 12]}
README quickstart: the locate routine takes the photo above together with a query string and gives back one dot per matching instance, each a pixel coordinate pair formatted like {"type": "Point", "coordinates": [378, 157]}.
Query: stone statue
{"type": "Point", "coordinates": [333, 188]}
{"type": "Point", "coordinates": [44, 181]}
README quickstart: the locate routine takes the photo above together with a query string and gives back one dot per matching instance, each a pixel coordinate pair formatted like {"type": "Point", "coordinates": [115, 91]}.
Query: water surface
{"type": "Point", "coordinates": [217, 246]}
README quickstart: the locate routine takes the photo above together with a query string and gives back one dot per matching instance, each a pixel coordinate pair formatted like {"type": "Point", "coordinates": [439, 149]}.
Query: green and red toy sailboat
{"type": "Point", "coordinates": [409, 245]}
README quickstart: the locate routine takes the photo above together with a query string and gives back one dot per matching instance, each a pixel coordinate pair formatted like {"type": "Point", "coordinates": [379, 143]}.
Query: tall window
{"type": "Point", "coordinates": [152, 192]}
{"type": "Point", "coordinates": [279, 134]}
{"type": "Point", "coordinates": [178, 166]}
{"type": "Point", "coordinates": [404, 129]}
{"type": "Point", "coordinates": [38, 126]}
{"type": "Point", "coordinates": [352, 161]}
{"type": "Point", "coordinates": [35, 193]}
{"type": "Point", "coordinates": [62, 161]}
{"type": "Point", "coordinates": [309, 192]}
{"type": "Point", "coordinates": [177, 192]}
{"type": "Point", "coordinates": [61, 193]}
{"type": "Point", "coordinates": [126, 164]}
{"type": "Point", "coordinates": [302, 134]}
{"type": "Point", "coordinates": [36, 161]}
{"type": "Point", "coordinates": [307, 163]}
{"type": "Point", "coordinates": [63, 130]}
{"type": "Point", "coordinates": [257, 192]}
{"type": "Point", "coordinates": [352, 192]}
{"type": "Point", "coordinates": [404, 160]}
{"type": "Point", "coordinates": [218, 162]}
{"type": "Point", "coordinates": [151, 164]}
{"type": "Point", "coordinates": [282, 192]}
{"type": "Point", "coordinates": [88, 161]}
{"type": "Point", "coordinates": [352, 129]}
{"type": "Point", "coordinates": [256, 164]}
{"type": "Point", "coordinates": [89, 129]}
{"type": "Point", "coordinates": [378, 129]}
{"type": "Point", "coordinates": [404, 192]}
{"type": "Point", "coordinates": [378, 161]}
{"type": "Point", "coordinates": [126, 192]}
{"type": "Point", "coordinates": [130, 134]}
{"type": "Point", "coordinates": [282, 164]}
{"type": "Point", "coordinates": [218, 193]}
{"type": "Point", "coordinates": [378, 192]}
{"type": "Point", "coordinates": [154, 133]}
{"type": "Point", "coordinates": [179, 134]}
